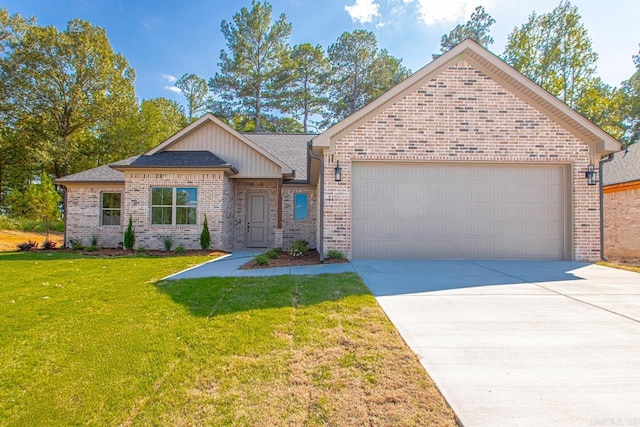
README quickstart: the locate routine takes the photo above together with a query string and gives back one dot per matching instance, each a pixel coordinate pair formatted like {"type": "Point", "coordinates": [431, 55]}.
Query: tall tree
{"type": "Point", "coordinates": [477, 28]}
{"type": "Point", "coordinates": [61, 87]}
{"type": "Point", "coordinates": [360, 72]}
{"type": "Point", "coordinates": [249, 70]}
{"type": "Point", "coordinates": [554, 50]}
{"type": "Point", "coordinates": [304, 94]}
{"type": "Point", "coordinates": [631, 107]}
{"type": "Point", "coordinates": [195, 91]}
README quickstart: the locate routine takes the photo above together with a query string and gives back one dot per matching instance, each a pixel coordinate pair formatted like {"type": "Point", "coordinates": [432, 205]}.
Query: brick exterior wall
{"type": "Point", "coordinates": [211, 201]}
{"type": "Point", "coordinates": [460, 116]}
{"type": "Point", "coordinates": [303, 229]}
{"type": "Point", "coordinates": [83, 211]}
{"type": "Point", "coordinates": [621, 227]}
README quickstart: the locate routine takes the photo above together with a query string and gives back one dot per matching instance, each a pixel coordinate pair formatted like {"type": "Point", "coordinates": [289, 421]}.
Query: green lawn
{"type": "Point", "coordinates": [100, 341]}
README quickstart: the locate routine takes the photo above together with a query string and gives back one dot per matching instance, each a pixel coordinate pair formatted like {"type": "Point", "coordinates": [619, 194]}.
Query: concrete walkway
{"type": "Point", "coordinates": [229, 265]}
{"type": "Point", "coordinates": [520, 343]}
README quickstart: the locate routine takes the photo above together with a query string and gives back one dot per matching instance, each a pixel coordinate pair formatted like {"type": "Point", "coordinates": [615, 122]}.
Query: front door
{"type": "Point", "coordinates": [257, 220]}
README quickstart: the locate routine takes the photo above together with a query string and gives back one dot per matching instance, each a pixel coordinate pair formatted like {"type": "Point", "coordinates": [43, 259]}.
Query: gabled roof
{"type": "Point", "coordinates": [104, 173]}
{"type": "Point", "coordinates": [210, 118]}
{"type": "Point", "coordinates": [290, 148]}
{"type": "Point", "coordinates": [625, 166]}
{"type": "Point", "coordinates": [177, 159]}
{"type": "Point", "coordinates": [600, 142]}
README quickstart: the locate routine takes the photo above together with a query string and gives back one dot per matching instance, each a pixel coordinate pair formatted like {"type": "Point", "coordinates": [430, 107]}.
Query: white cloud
{"type": "Point", "coordinates": [169, 78]}
{"type": "Point", "coordinates": [173, 89]}
{"type": "Point", "coordinates": [363, 11]}
{"type": "Point", "coordinates": [442, 12]}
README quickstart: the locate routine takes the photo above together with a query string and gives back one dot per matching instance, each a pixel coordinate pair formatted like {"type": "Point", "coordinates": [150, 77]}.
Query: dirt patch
{"type": "Point", "coordinates": [630, 262]}
{"type": "Point", "coordinates": [10, 239]}
{"type": "Point", "coordinates": [311, 257]}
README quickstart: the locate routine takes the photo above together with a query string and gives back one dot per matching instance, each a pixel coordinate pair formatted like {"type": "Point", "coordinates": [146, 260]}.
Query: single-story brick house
{"type": "Point", "coordinates": [621, 188]}
{"type": "Point", "coordinates": [466, 158]}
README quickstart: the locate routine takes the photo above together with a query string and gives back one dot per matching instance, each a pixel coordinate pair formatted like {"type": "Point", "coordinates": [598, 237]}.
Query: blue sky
{"type": "Point", "coordinates": [163, 40]}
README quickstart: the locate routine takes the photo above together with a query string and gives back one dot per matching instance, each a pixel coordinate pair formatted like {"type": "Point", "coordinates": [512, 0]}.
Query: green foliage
{"type": "Point", "coordinates": [39, 203]}
{"type": "Point", "coordinates": [251, 67]}
{"type": "Point", "coordinates": [167, 242]}
{"type": "Point", "coordinates": [631, 104]}
{"type": "Point", "coordinates": [304, 95]}
{"type": "Point", "coordinates": [272, 253]}
{"type": "Point", "coordinates": [360, 72]}
{"type": "Point", "coordinates": [205, 236]}
{"type": "Point", "coordinates": [142, 250]}
{"type": "Point", "coordinates": [92, 248]}
{"type": "Point", "coordinates": [26, 224]}
{"type": "Point", "coordinates": [27, 246]}
{"type": "Point", "coordinates": [261, 259]}
{"type": "Point", "coordinates": [477, 28]}
{"type": "Point", "coordinates": [129, 235]}
{"type": "Point", "coordinates": [554, 50]}
{"type": "Point", "coordinates": [335, 254]}
{"type": "Point", "coordinates": [94, 240]}
{"type": "Point", "coordinates": [195, 91]}
{"type": "Point", "coordinates": [76, 245]}
{"type": "Point", "coordinates": [299, 248]}
{"type": "Point", "coordinates": [180, 250]}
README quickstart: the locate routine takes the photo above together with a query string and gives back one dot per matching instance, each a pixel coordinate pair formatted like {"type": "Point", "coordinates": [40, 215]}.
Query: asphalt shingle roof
{"type": "Point", "coordinates": [102, 173]}
{"type": "Point", "coordinates": [179, 159]}
{"type": "Point", "coordinates": [289, 148]}
{"type": "Point", "coordinates": [623, 167]}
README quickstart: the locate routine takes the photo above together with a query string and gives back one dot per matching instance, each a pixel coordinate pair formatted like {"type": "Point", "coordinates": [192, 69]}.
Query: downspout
{"type": "Point", "coordinates": [321, 197]}
{"type": "Point", "coordinates": [602, 162]}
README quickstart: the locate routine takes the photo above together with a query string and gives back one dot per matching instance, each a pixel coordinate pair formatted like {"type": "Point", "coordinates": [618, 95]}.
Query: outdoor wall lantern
{"type": "Point", "coordinates": [591, 175]}
{"type": "Point", "coordinates": [338, 171]}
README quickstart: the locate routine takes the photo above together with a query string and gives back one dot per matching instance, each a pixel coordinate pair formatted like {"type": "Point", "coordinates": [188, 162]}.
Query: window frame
{"type": "Point", "coordinates": [102, 209]}
{"type": "Point", "coordinates": [174, 206]}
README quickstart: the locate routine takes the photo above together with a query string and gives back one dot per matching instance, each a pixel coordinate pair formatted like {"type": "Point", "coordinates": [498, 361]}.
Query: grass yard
{"type": "Point", "coordinates": [99, 341]}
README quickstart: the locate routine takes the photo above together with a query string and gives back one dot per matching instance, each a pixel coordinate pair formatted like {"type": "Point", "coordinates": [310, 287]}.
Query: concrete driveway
{"type": "Point", "coordinates": [513, 343]}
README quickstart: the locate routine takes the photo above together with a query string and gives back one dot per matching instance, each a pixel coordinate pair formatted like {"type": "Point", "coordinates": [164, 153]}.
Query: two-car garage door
{"type": "Point", "coordinates": [441, 210]}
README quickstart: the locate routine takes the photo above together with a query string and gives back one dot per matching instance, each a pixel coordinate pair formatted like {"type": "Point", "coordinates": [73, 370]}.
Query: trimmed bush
{"type": "Point", "coordinates": [76, 245]}
{"type": "Point", "coordinates": [180, 250]}
{"type": "Point", "coordinates": [261, 259]}
{"type": "Point", "coordinates": [129, 235]}
{"type": "Point", "coordinates": [142, 249]}
{"type": "Point", "coordinates": [49, 245]}
{"type": "Point", "coordinates": [205, 236]}
{"type": "Point", "coordinates": [272, 253]}
{"type": "Point", "coordinates": [299, 248]}
{"type": "Point", "coordinates": [334, 254]}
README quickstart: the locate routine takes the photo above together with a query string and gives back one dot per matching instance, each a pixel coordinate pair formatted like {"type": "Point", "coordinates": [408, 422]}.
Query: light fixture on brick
{"type": "Point", "coordinates": [592, 175]}
{"type": "Point", "coordinates": [338, 171]}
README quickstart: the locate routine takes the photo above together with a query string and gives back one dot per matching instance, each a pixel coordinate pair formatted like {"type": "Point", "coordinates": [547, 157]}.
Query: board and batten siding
{"type": "Point", "coordinates": [249, 162]}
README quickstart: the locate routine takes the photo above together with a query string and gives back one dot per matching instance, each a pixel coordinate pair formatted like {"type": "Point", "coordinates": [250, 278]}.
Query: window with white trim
{"type": "Point", "coordinates": [110, 208]}
{"type": "Point", "coordinates": [174, 205]}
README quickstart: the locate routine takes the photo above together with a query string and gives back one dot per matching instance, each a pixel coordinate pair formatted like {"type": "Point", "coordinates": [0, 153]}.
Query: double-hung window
{"type": "Point", "coordinates": [111, 206]}
{"type": "Point", "coordinates": [174, 205]}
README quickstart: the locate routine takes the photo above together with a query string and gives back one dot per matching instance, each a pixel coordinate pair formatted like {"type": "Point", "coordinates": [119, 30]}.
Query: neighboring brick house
{"type": "Point", "coordinates": [466, 158]}
{"type": "Point", "coordinates": [621, 188]}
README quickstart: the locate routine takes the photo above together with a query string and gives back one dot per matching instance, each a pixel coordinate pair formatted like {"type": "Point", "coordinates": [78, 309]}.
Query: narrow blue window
{"type": "Point", "coordinates": [301, 207]}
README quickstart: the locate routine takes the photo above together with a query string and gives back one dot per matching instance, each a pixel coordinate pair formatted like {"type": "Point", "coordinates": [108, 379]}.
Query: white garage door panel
{"type": "Point", "coordinates": [459, 211]}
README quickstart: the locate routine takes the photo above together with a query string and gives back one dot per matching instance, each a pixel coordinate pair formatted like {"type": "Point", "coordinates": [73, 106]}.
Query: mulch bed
{"type": "Point", "coordinates": [311, 257]}
{"type": "Point", "coordinates": [631, 262]}
{"type": "Point", "coordinates": [123, 252]}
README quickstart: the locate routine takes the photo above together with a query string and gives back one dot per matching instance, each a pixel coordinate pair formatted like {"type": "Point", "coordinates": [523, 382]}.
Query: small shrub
{"type": "Point", "coordinates": [299, 248]}
{"type": "Point", "coordinates": [261, 259]}
{"type": "Point", "coordinates": [94, 240]}
{"type": "Point", "coordinates": [142, 250]}
{"type": "Point", "coordinates": [91, 248]}
{"type": "Point", "coordinates": [27, 246]}
{"type": "Point", "coordinates": [167, 242]}
{"type": "Point", "coordinates": [180, 250]}
{"type": "Point", "coordinates": [334, 254]}
{"type": "Point", "coordinates": [76, 245]}
{"type": "Point", "coordinates": [205, 236]}
{"type": "Point", "coordinates": [129, 235]}
{"type": "Point", "coordinates": [272, 253]}
{"type": "Point", "coordinates": [277, 250]}
{"type": "Point", "coordinates": [49, 245]}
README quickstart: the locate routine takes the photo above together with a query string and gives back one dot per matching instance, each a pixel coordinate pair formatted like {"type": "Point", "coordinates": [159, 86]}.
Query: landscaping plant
{"type": "Point", "coordinates": [299, 248]}
{"type": "Point", "coordinates": [167, 242]}
{"type": "Point", "coordinates": [205, 236]}
{"type": "Point", "coordinates": [129, 235]}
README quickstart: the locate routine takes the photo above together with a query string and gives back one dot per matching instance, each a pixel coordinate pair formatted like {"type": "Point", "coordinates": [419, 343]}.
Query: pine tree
{"type": "Point", "coordinates": [205, 236]}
